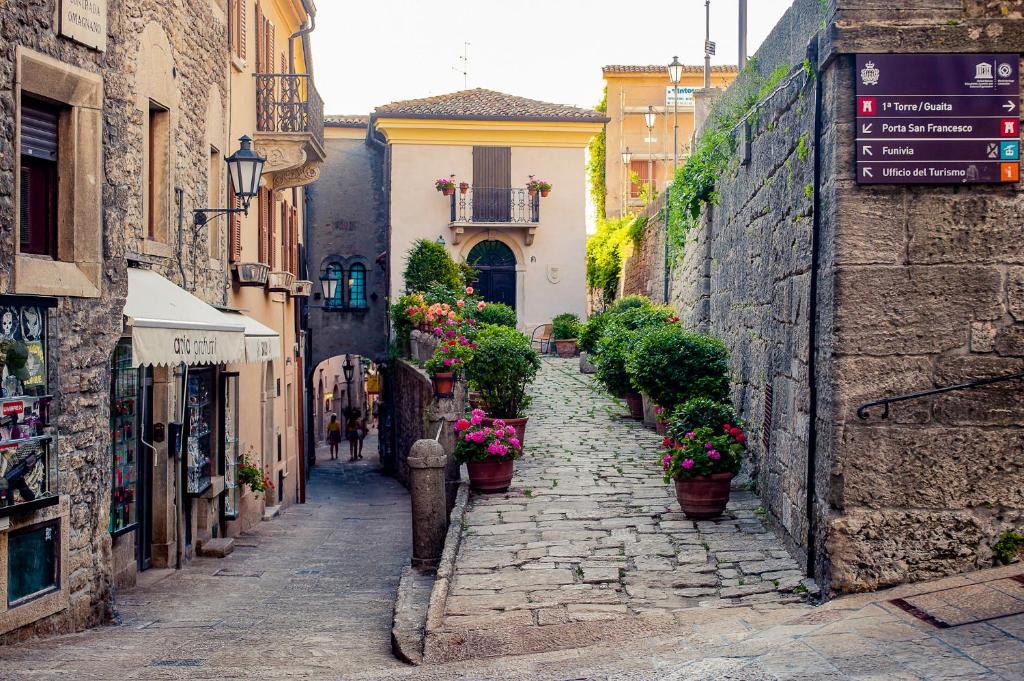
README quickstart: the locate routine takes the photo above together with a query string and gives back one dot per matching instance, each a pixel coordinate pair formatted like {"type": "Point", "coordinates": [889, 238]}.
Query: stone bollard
{"type": "Point", "coordinates": [427, 462]}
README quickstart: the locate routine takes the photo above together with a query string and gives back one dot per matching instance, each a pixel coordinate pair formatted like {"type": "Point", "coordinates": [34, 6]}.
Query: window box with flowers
{"type": "Point", "coordinates": [445, 185]}
{"type": "Point", "coordinates": [488, 450]}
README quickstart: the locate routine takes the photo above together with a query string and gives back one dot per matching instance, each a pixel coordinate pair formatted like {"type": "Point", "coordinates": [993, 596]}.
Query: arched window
{"type": "Point", "coordinates": [357, 286]}
{"type": "Point", "coordinates": [334, 276]}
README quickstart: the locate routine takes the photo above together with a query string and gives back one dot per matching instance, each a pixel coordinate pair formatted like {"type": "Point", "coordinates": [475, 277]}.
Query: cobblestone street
{"type": "Point", "coordinates": [308, 595]}
{"type": "Point", "coordinates": [591, 532]}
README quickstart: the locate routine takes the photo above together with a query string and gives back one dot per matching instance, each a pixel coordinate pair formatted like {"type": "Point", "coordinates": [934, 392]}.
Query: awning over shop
{"type": "Point", "coordinates": [171, 326]}
{"type": "Point", "coordinates": [262, 343]}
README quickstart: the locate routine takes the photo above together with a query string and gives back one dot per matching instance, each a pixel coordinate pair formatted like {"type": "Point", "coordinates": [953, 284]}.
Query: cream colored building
{"type": "Point", "coordinates": [633, 91]}
{"type": "Point", "coordinates": [528, 250]}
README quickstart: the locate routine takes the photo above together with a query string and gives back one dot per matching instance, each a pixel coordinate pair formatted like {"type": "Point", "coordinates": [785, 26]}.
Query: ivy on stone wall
{"type": "Point", "coordinates": [596, 162]}
{"type": "Point", "coordinates": [695, 183]}
{"type": "Point", "coordinates": [607, 250]}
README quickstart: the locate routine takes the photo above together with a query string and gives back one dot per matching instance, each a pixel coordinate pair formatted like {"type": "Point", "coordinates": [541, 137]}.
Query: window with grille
{"type": "Point", "coordinates": [335, 274]}
{"type": "Point", "coordinates": [38, 180]}
{"type": "Point", "coordinates": [357, 285]}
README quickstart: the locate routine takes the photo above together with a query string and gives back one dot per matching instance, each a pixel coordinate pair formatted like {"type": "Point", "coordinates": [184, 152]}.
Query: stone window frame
{"type": "Point", "coordinates": [78, 269]}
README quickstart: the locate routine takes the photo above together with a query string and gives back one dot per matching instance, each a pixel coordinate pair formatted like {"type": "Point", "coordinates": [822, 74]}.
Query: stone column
{"type": "Point", "coordinates": [427, 462]}
{"type": "Point", "coordinates": [703, 102]}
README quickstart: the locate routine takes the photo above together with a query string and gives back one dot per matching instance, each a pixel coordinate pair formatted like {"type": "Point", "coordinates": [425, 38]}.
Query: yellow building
{"type": "Point", "coordinates": [528, 249]}
{"type": "Point", "coordinates": [273, 99]}
{"type": "Point", "coordinates": [634, 91]}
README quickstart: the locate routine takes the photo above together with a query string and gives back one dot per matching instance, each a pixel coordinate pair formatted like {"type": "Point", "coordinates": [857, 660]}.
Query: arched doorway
{"type": "Point", "coordinates": [495, 264]}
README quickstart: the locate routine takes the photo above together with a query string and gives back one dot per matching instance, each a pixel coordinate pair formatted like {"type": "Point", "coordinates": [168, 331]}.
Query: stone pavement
{"type": "Point", "coordinates": [307, 595]}
{"type": "Point", "coordinates": [590, 532]}
{"type": "Point", "coordinates": [863, 637]}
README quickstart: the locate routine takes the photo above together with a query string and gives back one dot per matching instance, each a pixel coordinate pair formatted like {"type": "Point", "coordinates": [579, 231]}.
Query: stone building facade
{"type": "Point", "coordinates": [831, 294]}
{"type": "Point", "coordinates": [135, 102]}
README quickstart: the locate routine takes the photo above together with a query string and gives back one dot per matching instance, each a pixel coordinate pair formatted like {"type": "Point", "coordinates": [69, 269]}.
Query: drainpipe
{"type": "Point", "coordinates": [302, 32]}
{"type": "Point", "coordinates": [812, 320]}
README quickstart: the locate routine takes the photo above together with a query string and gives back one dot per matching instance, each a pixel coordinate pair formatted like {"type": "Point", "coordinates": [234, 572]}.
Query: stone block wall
{"type": "Point", "coordinates": [917, 287]}
{"type": "Point", "coordinates": [643, 272]}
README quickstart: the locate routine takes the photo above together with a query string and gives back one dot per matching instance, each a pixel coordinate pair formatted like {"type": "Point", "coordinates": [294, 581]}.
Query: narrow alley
{"type": "Point", "coordinates": [307, 595]}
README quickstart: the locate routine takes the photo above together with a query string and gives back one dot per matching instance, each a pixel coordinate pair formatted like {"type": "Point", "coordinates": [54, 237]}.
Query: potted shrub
{"type": "Point", "coordinates": [249, 474]}
{"type": "Point", "coordinates": [702, 464]}
{"type": "Point", "coordinates": [565, 328]}
{"type": "Point", "coordinates": [700, 412]}
{"type": "Point", "coordinates": [502, 367]}
{"type": "Point", "coordinates": [620, 332]}
{"type": "Point", "coordinates": [660, 420]}
{"type": "Point", "coordinates": [672, 365]}
{"type": "Point", "coordinates": [488, 450]}
{"type": "Point", "coordinates": [445, 185]}
{"type": "Point", "coordinates": [498, 314]}
{"type": "Point", "coordinates": [533, 186]}
{"type": "Point", "coordinates": [447, 363]}
{"type": "Point", "coordinates": [463, 187]}
{"type": "Point", "coordinates": [544, 187]}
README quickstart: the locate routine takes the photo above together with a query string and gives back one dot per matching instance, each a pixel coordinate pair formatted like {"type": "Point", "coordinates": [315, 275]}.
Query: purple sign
{"type": "Point", "coordinates": [938, 118]}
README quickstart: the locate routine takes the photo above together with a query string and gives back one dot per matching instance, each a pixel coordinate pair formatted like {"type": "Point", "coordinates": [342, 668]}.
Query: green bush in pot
{"type": "Point", "coordinates": [565, 326]}
{"type": "Point", "coordinates": [429, 264]}
{"type": "Point", "coordinates": [621, 332]}
{"type": "Point", "coordinates": [502, 368]}
{"type": "Point", "coordinates": [672, 365]}
{"type": "Point", "coordinates": [701, 412]}
{"type": "Point", "coordinates": [497, 314]}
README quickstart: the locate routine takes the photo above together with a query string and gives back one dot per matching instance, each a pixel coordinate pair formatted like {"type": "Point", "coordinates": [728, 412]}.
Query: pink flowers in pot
{"type": "Point", "coordinates": [477, 442]}
{"type": "Point", "coordinates": [704, 452]}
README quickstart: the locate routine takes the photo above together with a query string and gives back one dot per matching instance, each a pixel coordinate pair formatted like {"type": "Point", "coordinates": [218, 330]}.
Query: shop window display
{"type": "Point", "coordinates": [200, 409]}
{"type": "Point", "coordinates": [124, 425]}
{"type": "Point", "coordinates": [230, 444]}
{"type": "Point", "coordinates": [28, 461]}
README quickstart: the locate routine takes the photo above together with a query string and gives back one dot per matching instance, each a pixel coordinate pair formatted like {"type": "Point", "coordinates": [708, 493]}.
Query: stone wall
{"type": "Point", "coordinates": [643, 271]}
{"type": "Point", "coordinates": [917, 287]}
{"type": "Point", "coordinates": [90, 327]}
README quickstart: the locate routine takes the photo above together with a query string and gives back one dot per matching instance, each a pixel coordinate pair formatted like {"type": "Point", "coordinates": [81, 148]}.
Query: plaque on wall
{"type": "Point", "coordinates": [85, 21]}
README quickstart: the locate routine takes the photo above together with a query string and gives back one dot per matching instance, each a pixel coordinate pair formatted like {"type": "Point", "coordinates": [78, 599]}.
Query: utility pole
{"type": "Point", "coordinates": [708, 48]}
{"type": "Point", "coordinates": [743, 35]}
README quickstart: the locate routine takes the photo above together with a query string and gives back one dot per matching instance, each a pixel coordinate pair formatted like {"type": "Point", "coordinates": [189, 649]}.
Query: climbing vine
{"type": "Point", "coordinates": [596, 163]}
{"type": "Point", "coordinates": [696, 182]}
{"type": "Point", "coordinates": [607, 250]}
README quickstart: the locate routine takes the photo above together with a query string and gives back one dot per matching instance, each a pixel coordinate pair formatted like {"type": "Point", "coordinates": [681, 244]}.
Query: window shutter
{"type": "Point", "coordinates": [39, 130]}
{"type": "Point", "coordinates": [263, 226]}
{"type": "Point", "coordinates": [295, 242]}
{"type": "Point", "coordinates": [492, 184]}
{"type": "Point", "coordinates": [260, 41]}
{"type": "Point", "coordinates": [271, 231]}
{"type": "Point", "coordinates": [269, 61]}
{"type": "Point", "coordinates": [286, 236]}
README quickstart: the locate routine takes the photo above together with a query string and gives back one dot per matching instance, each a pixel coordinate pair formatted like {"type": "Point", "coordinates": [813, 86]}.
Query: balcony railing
{"type": "Point", "coordinates": [288, 103]}
{"type": "Point", "coordinates": [495, 204]}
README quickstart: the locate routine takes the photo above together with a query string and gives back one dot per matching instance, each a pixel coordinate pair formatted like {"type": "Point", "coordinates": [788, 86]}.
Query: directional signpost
{"type": "Point", "coordinates": [938, 118]}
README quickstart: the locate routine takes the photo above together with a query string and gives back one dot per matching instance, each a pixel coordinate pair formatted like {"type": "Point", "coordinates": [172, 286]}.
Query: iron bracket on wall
{"type": "Point", "coordinates": [862, 410]}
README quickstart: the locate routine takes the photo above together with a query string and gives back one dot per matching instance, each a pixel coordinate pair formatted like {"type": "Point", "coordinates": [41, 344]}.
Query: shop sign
{"type": "Point", "coordinates": [85, 21]}
{"type": "Point", "coordinates": [938, 118]}
{"type": "Point", "coordinates": [11, 408]}
{"type": "Point", "coordinates": [681, 95]}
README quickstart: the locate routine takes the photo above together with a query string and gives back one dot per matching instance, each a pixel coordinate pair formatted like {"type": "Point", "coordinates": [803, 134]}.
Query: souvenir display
{"type": "Point", "coordinates": [198, 450]}
{"type": "Point", "coordinates": [124, 425]}
{"type": "Point", "coordinates": [230, 443]}
{"type": "Point", "coordinates": [28, 466]}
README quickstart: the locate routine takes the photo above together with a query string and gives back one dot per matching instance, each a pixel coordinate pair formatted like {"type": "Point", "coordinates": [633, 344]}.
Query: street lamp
{"type": "Point", "coordinates": [348, 369]}
{"type": "Point", "coordinates": [627, 156]}
{"type": "Point", "coordinates": [649, 120]}
{"type": "Point", "coordinates": [675, 74]}
{"type": "Point", "coordinates": [245, 167]}
{"type": "Point", "coordinates": [330, 279]}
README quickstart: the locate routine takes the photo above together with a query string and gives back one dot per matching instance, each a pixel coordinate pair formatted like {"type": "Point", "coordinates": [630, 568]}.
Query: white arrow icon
{"type": "Point", "coordinates": [1009, 106]}
{"type": "Point", "coordinates": [867, 150]}
{"type": "Point", "coordinates": [867, 172]}
{"type": "Point", "coordinates": [866, 128]}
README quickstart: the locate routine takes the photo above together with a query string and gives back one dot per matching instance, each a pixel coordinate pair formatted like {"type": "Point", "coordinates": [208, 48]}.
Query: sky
{"type": "Point", "coordinates": [366, 54]}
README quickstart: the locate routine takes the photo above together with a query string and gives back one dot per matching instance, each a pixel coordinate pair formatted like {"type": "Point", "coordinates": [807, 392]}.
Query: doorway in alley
{"type": "Point", "coordinates": [495, 264]}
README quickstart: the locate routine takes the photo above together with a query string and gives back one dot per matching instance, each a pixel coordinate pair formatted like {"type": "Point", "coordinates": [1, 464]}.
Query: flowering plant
{"type": "Point", "coordinates": [445, 184]}
{"type": "Point", "coordinates": [538, 185]}
{"type": "Point", "coordinates": [704, 452]}
{"type": "Point", "coordinates": [477, 442]}
{"type": "Point", "coordinates": [249, 474]}
{"type": "Point", "coordinates": [451, 355]}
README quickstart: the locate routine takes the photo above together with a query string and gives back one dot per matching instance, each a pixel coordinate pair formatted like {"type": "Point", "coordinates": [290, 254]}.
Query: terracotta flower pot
{"type": "Point", "coordinates": [545, 192]}
{"type": "Point", "coordinates": [518, 424]}
{"type": "Point", "coordinates": [566, 348]}
{"type": "Point", "coordinates": [476, 401]}
{"type": "Point", "coordinates": [661, 427]}
{"type": "Point", "coordinates": [704, 497]}
{"type": "Point", "coordinates": [636, 405]}
{"type": "Point", "coordinates": [532, 192]}
{"type": "Point", "coordinates": [450, 191]}
{"type": "Point", "coordinates": [444, 384]}
{"type": "Point", "coordinates": [463, 188]}
{"type": "Point", "coordinates": [491, 476]}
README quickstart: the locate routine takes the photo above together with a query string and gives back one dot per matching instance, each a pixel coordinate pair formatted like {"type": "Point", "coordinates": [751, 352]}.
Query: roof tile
{"type": "Point", "coordinates": [661, 68]}
{"type": "Point", "coordinates": [482, 104]}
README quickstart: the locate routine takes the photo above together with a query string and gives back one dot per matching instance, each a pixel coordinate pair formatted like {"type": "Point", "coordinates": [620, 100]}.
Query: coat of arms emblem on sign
{"type": "Point", "coordinates": [869, 74]}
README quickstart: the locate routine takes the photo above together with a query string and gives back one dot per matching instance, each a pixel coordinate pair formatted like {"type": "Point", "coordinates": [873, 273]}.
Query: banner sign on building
{"type": "Point", "coordinates": [85, 21]}
{"type": "Point", "coordinates": [938, 118]}
{"type": "Point", "coordinates": [682, 94]}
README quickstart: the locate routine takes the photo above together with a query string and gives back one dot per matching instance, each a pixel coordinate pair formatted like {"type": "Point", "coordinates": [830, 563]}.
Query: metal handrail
{"type": "Point", "coordinates": [513, 205]}
{"type": "Point", "coordinates": [862, 410]}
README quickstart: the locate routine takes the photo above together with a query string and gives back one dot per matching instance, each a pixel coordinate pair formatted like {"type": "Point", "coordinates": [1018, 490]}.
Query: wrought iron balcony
{"type": "Point", "coordinates": [495, 205]}
{"type": "Point", "coordinates": [289, 103]}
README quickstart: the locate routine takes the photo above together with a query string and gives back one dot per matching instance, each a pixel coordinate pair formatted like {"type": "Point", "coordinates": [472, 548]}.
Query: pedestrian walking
{"type": "Point", "coordinates": [334, 435]}
{"type": "Point", "coordinates": [376, 412]}
{"type": "Point", "coordinates": [352, 430]}
{"type": "Point", "coordinates": [363, 431]}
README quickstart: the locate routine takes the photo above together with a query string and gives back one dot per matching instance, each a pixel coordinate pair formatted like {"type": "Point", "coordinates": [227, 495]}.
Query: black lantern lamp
{"type": "Point", "coordinates": [348, 368]}
{"type": "Point", "coordinates": [330, 280]}
{"type": "Point", "coordinates": [675, 71]}
{"type": "Point", "coordinates": [245, 167]}
{"type": "Point", "coordinates": [627, 156]}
